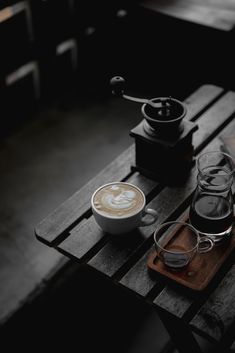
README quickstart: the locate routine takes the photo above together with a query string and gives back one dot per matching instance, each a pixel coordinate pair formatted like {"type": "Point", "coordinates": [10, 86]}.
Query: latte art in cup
{"type": "Point", "coordinates": [120, 207]}
{"type": "Point", "coordinates": [118, 200]}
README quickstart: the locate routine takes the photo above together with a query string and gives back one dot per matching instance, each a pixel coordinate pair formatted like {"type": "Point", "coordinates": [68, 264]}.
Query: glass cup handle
{"type": "Point", "coordinates": [152, 213]}
{"type": "Point", "coordinates": [205, 245]}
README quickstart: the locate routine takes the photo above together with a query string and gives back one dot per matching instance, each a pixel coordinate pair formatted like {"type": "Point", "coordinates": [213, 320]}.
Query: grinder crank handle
{"type": "Point", "coordinates": [118, 84]}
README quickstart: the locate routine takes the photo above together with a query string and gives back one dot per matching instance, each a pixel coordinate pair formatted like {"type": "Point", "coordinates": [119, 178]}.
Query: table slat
{"type": "Point", "coordinates": [138, 278]}
{"type": "Point", "coordinates": [213, 119]}
{"type": "Point", "coordinates": [217, 315]}
{"type": "Point", "coordinates": [77, 245]}
{"type": "Point", "coordinates": [200, 99]}
{"type": "Point", "coordinates": [170, 298]}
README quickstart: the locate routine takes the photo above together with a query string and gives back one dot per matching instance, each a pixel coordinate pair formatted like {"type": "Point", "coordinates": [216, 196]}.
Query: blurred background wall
{"type": "Point", "coordinates": [49, 45]}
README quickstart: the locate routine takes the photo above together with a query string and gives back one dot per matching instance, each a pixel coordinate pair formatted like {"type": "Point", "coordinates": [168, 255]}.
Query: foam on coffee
{"type": "Point", "coordinates": [118, 200]}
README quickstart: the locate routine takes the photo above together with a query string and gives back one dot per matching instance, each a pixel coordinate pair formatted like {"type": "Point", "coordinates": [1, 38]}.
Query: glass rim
{"type": "Point", "coordinates": [179, 223]}
{"type": "Point", "coordinates": [228, 156]}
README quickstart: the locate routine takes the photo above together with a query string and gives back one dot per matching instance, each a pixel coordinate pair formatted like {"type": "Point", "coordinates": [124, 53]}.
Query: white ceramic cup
{"type": "Point", "coordinates": [128, 218]}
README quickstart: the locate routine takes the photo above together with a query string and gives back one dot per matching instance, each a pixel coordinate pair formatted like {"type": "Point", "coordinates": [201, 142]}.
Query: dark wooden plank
{"type": "Point", "coordinates": [172, 301]}
{"type": "Point", "coordinates": [116, 252]}
{"type": "Point", "coordinates": [76, 245]}
{"type": "Point", "coordinates": [138, 279]}
{"type": "Point", "coordinates": [146, 185]}
{"type": "Point", "coordinates": [73, 208]}
{"type": "Point", "coordinates": [199, 100]}
{"type": "Point", "coordinates": [142, 281]}
{"type": "Point", "coordinates": [213, 119]}
{"type": "Point", "coordinates": [218, 314]}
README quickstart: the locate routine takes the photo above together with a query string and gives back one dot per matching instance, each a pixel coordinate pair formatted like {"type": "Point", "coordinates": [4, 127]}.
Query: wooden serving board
{"type": "Point", "coordinates": [198, 274]}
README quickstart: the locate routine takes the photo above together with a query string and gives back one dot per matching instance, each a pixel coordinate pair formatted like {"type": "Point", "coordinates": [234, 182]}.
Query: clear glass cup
{"type": "Point", "coordinates": [177, 243]}
{"type": "Point", "coordinates": [211, 209]}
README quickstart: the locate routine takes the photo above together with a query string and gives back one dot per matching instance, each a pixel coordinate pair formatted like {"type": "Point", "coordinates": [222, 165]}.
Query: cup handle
{"type": "Point", "coordinates": [152, 213]}
{"type": "Point", "coordinates": [205, 245]}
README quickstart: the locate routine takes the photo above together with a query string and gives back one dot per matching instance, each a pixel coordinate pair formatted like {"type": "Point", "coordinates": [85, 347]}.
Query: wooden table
{"type": "Point", "coordinates": [71, 230]}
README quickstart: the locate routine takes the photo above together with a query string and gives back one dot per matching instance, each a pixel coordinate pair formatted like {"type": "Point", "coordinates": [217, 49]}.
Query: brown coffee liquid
{"type": "Point", "coordinates": [176, 259]}
{"type": "Point", "coordinates": [211, 214]}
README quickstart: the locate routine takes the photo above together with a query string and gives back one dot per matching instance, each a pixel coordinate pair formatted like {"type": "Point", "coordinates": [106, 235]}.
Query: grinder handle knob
{"type": "Point", "coordinates": [117, 83]}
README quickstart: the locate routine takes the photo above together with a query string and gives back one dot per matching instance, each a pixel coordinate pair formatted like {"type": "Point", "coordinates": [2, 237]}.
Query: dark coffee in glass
{"type": "Point", "coordinates": [211, 210]}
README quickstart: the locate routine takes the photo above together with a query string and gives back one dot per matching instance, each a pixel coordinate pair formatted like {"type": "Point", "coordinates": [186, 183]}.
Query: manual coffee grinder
{"type": "Point", "coordinates": [163, 139]}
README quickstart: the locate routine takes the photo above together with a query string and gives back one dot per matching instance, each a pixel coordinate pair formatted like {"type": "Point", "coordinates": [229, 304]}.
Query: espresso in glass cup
{"type": "Point", "coordinates": [120, 207]}
{"type": "Point", "coordinates": [177, 243]}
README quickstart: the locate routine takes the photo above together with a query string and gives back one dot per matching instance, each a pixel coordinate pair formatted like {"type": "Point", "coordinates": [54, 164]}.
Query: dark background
{"type": "Point", "coordinates": [156, 54]}
{"type": "Point", "coordinates": [59, 127]}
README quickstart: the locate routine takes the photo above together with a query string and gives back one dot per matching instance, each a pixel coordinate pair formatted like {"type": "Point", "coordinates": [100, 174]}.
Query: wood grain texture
{"type": "Point", "coordinates": [213, 119]}
{"type": "Point", "coordinates": [116, 252]}
{"type": "Point", "coordinates": [173, 301]}
{"type": "Point", "coordinates": [200, 99]}
{"type": "Point", "coordinates": [81, 239]}
{"type": "Point", "coordinates": [73, 208]}
{"type": "Point", "coordinates": [218, 313]}
{"type": "Point", "coordinates": [139, 279]}
{"type": "Point", "coordinates": [146, 185]}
